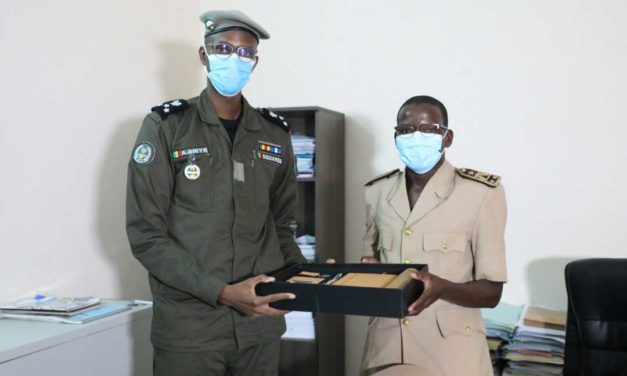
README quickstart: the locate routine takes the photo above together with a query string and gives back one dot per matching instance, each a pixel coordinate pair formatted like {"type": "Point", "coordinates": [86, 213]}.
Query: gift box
{"type": "Point", "coordinates": [381, 290]}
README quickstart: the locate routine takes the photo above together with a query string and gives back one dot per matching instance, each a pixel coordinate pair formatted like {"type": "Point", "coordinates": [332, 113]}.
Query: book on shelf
{"type": "Point", "coordinates": [304, 151]}
{"type": "Point", "coordinates": [307, 245]}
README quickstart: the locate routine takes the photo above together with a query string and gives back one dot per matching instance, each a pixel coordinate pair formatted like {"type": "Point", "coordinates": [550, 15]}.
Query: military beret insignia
{"type": "Point", "coordinates": [275, 119]}
{"type": "Point", "coordinates": [170, 107]}
{"type": "Point", "coordinates": [488, 179]}
{"type": "Point", "coordinates": [211, 26]}
{"type": "Point", "coordinates": [381, 177]}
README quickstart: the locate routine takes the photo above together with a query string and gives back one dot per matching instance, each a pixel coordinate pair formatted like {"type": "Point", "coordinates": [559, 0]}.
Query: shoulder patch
{"type": "Point", "coordinates": [274, 119]}
{"type": "Point", "coordinates": [144, 153]}
{"type": "Point", "coordinates": [488, 179]}
{"type": "Point", "coordinates": [381, 177]}
{"type": "Point", "coordinates": [170, 107]}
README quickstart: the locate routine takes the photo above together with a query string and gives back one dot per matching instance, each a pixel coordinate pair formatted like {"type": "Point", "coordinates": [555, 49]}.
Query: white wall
{"type": "Point", "coordinates": [534, 89]}
{"type": "Point", "coordinates": [76, 78]}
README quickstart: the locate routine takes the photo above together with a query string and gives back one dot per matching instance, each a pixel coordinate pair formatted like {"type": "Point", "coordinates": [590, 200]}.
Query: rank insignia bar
{"type": "Point", "coordinates": [275, 149]}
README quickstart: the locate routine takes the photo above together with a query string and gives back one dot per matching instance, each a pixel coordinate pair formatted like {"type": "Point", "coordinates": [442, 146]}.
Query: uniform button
{"type": "Point", "coordinates": [444, 245]}
{"type": "Point", "coordinates": [406, 321]}
{"type": "Point", "coordinates": [408, 231]}
{"type": "Point", "coordinates": [407, 261]}
{"type": "Point", "coordinates": [468, 328]}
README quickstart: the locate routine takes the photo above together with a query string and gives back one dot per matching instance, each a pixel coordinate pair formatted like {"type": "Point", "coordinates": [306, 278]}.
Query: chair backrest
{"type": "Point", "coordinates": [596, 328]}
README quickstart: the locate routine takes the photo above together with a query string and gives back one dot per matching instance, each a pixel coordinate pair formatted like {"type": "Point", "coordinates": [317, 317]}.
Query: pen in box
{"type": "Point", "coordinates": [334, 279]}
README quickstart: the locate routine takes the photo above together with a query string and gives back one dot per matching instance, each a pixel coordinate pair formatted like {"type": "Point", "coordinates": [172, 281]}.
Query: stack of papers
{"type": "Point", "coordinates": [46, 305]}
{"type": "Point", "coordinates": [500, 323]}
{"type": "Point", "coordinates": [300, 326]}
{"type": "Point", "coordinates": [304, 150]}
{"type": "Point", "coordinates": [537, 347]}
{"type": "Point", "coordinates": [60, 309]}
{"type": "Point", "coordinates": [307, 244]}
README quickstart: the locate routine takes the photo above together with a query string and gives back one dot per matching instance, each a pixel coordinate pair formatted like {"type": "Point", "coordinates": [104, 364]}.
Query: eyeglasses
{"type": "Point", "coordinates": [224, 50]}
{"type": "Point", "coordinates": [426, 129]}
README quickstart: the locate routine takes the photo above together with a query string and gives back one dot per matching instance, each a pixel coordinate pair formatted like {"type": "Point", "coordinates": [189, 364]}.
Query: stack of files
{"type": "Point", "coordinates": [300, 326]}
{"type": "Point", "coordinates": [307, 244]}
{"type": "Point", "coordinates": [537, 347]}
{"type": "Point", "coordinates": [304, 150]}
{"type": "Point", "coordinates": [500, 323]}
{"type": "Point", "coordinates": [60, 309]}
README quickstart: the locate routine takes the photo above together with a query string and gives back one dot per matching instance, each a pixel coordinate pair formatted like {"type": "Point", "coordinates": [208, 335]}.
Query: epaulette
{"type": "Point", "coordinates": [381, 177]}
{"type": "Point", "coordinates": [490, 180]}
{"type": "Point", "coordinates": [274, 118]}
{"type": "Point", "coordinates": [170, 107]}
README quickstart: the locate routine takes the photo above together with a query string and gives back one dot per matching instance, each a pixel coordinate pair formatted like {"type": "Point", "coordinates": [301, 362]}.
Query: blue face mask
{"type": "Point", "coordinates": [420, 152]}
{"type": "Point", "coordinates": [228, 76]}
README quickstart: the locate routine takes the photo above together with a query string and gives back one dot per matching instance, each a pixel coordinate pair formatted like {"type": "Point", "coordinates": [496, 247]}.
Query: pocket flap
{"type": "Point", "coordinates": [385, 241]}
{"type": "Point", "coordinates": [459, 320]}
{"type": "Point", "coordinates": [444, 241]}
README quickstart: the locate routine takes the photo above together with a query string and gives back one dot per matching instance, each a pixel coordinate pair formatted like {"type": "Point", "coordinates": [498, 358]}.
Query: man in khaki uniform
{"type": "Point", "coordinates": [451, 219]}
{"type": "Point", "coordinates": [211, 195]}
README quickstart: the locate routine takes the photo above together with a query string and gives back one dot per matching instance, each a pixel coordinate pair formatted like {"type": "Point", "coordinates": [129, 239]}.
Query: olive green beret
{"type": "Point", "coordinates": [216, 21]}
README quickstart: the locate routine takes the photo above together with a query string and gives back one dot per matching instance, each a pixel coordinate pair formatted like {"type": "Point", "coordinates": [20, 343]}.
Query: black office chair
{"type": "Point", "coordinates": [596, 327]}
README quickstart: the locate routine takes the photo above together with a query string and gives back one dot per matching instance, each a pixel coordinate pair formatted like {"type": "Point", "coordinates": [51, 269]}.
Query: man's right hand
{"type": "Point", "coordinates": [242, 297]}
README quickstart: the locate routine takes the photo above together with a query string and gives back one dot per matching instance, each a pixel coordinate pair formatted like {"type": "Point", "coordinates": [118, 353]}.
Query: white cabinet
{"type": "Point", "coordinates": [115, 345]}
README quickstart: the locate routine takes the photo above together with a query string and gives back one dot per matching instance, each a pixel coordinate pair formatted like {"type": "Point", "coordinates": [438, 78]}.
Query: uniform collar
{"type": "Point", "coordinates": [442, 181]}
{"type": "Point", "coordinates": [208, 114]}
{"type": "Point", "coordinates": [206, 110]}
{"type": "Point", "coordinates": [438, 188]}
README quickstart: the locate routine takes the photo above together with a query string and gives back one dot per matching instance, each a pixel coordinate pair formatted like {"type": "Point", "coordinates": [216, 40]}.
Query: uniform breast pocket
{"type": "Point", "coordinates": [195, 183]}
{"type": "Point", "coordinates": [447, 250]}
{"type": "Point", "coordinates": [263, 174]}
{"type": "Point", "coordinates": [444, 242]}
{"type": "Point", "coordinates": [459, 321]}
{"type": "Point", "coordinates": [385, 247]}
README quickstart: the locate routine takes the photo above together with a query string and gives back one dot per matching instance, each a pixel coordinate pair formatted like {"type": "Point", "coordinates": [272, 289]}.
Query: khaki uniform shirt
{"type": "Point", "coordinates": [456, 227]}
{"type": "Point", "coordinates": [196, 229]}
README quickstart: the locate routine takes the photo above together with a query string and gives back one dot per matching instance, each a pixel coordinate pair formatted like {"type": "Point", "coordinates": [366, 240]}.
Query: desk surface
{"type": "Point", "coordinates": [23, 337]}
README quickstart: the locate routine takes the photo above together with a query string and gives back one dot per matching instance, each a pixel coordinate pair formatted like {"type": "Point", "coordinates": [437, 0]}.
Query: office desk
{"type": "Point", "coordinates": [116, 345]}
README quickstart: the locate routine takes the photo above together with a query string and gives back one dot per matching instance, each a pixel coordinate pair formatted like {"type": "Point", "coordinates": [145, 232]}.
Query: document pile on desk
{"type": "Point", "coordinates": [307, 245]}
{"type": "Point", "coordinates": [60, 309]}
{"type": "Point", "coordinates": [500, 323]}
{"type": "Point", "coordinates": [300, 326]}
{"type": "Point", "coordinates": [537, 347]}
{"type": "Point", "coordinates": [304, 150]}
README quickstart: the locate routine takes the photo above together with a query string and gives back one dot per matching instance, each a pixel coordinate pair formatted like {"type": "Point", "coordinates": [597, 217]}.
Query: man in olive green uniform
{"type": "Point", "coordinates": [451, 219]}
{"type": "Point", "coordinates": [211, 195]}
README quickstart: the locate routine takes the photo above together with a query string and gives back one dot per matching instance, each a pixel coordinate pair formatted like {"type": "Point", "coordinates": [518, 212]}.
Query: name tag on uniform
{"type": "Point", "coordinates": [268, 157]}
{"type": "Point", "coordinates": [177, 154]}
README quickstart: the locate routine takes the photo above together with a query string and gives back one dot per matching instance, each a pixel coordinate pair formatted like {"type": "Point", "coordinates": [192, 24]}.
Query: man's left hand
{"type": "Point", "coordinates": [434, 288]}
